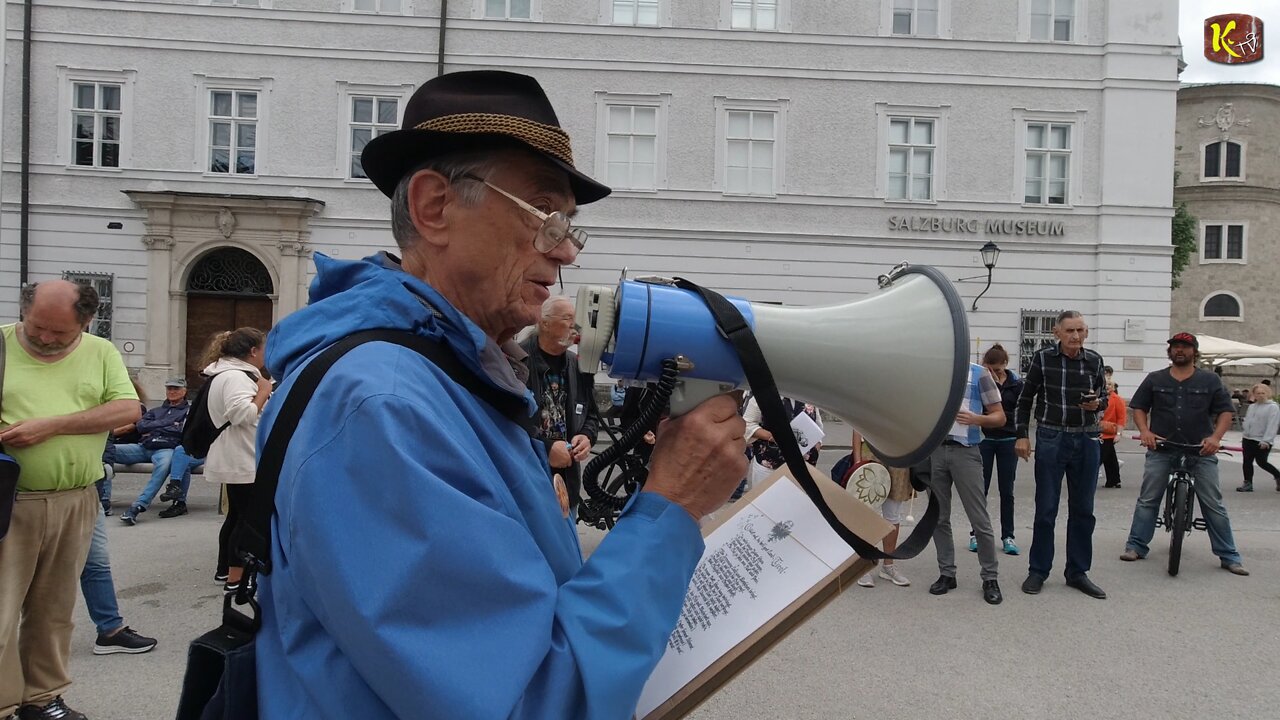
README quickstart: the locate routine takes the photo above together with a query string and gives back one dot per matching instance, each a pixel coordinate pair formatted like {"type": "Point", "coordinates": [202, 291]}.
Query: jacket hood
{"type": "Point", "coordinates": [223, 364]}
{"type": "Point", "coordinates": [348, 296]}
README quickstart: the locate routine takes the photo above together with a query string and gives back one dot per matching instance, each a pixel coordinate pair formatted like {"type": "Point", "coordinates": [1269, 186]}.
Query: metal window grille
{"type": "Point", "coordinates": [103, 283]}
{"type": "Point", "coordinates": [1036, 333]}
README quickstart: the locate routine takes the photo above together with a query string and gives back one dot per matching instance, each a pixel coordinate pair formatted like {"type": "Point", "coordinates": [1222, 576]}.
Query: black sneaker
{"type": "Point", "coordinates": [177, 508]}
{"type": "Point", "coordinates": [130, 516]}
{"type": "Point", "coordinates": [124, 641]}
{"type": "Point", "coordinates": [172, 491]}
{"type": "Point", "coordinates": [55, 710]}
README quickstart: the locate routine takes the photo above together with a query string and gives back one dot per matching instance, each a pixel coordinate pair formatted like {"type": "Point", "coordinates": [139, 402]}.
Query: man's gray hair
{"type": "Point", "coordinates": [85, 306]}
{"type": "Point", "coordinates": [549, 305]}
{"type": "Point", "coordinates": [454, 167]}
{"type": "Point", "coordinates": [1068, 315]}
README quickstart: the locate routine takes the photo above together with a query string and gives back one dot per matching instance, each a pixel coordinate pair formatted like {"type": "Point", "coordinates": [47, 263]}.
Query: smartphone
{"type": "Point", "coordinates": [1088, 398]}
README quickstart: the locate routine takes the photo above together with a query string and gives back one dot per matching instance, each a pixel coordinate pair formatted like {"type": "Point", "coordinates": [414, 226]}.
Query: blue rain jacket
{"type": "Point", "coordinates": [422, 568]}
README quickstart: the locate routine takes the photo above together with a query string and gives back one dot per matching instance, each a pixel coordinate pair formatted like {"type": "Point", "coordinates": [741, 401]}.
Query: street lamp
{"type": "Point", "coordinates": [990, 254]}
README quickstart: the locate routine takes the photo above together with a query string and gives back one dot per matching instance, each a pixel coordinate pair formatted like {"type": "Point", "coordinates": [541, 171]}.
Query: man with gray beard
{"type": "Point", "coordinates": [568, 422]}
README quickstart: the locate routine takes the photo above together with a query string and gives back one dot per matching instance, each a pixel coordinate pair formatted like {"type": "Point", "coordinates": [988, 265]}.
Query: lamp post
{"type": "Point", "coordinates": [990, 254]}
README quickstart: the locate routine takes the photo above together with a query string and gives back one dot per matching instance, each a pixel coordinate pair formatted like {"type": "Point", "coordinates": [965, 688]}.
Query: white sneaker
{"type": "Point", "coordinates": [867, 580]}
{"type": "Point", "coordinates": [890, 573]}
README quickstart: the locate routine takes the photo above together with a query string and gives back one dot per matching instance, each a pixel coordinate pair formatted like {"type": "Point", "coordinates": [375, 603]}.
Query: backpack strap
{"type": "Point", "coordinates": [253, 533]}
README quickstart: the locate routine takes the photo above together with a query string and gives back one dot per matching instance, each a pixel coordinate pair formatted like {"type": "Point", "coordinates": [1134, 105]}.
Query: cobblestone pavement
{"type": "Point", "coordinates": [1202, 644]}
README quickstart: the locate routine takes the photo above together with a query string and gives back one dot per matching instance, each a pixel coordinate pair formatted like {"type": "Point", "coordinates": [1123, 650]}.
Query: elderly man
{"type": "Point", "coordinates": [422, 565]}
{"type": "Point", "coordinates": [1188, 405]}
{"type": "Point", "coordinates": [63, 390]}
{"type": "Point", "coordinates": [568, 419]}
{"type": "Point", "coordinates": [161, 431]}
{"type": "Point", "coordinates": [1066, 384]}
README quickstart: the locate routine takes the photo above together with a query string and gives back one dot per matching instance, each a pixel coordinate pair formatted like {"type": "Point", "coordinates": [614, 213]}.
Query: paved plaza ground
{"type": "Point", "coordinates": [1203, 644]}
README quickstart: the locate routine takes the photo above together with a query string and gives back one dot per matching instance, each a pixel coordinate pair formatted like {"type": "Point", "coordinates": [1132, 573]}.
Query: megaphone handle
{"type": "Point", "coordinates": [735, 328]}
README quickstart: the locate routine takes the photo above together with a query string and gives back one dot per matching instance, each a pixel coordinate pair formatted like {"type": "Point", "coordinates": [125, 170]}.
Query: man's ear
{"type": "Point", "coordinates": [429, 196]}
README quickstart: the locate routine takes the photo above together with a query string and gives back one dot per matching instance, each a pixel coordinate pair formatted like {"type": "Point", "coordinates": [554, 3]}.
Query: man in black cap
{"type": "Point", "coordinates": [1182, 404]}
{"type": "Point", "coordinates": [422, 565]}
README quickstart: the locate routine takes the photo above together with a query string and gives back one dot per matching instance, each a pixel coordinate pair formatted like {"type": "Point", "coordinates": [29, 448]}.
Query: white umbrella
{"type": "Point", "coordinates": [1214, 349]}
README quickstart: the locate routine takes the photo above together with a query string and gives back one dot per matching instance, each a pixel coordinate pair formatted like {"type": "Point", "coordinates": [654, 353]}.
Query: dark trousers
{"type": "Point", "coordinates": [1111, 463]}
{"type": "Point", "coordinates": [1074, 455]}
{"type": "Point", "coordinates": [1252, 454]}
{"type": "Point", "coordinates": [238, 496]}
{"type": "Point", "coordinates": [1001, 454]}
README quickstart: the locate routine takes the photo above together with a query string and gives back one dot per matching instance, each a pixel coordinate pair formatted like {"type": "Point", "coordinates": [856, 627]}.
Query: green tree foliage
{"type": "Point", "coordinates": [1184, 240]}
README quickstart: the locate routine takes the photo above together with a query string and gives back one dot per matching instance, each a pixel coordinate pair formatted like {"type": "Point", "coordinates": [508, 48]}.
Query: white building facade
{"type": "Point", "coordinates": [189, 156]}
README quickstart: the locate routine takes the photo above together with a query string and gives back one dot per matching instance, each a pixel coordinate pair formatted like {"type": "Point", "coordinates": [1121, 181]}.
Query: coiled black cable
{"type": "Point", "coordinates": [657, 401]}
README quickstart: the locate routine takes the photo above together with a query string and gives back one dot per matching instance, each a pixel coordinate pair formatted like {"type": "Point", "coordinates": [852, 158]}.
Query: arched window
{"type": "Point", "coordinates": [1222, 159]}
{"type": "Point", "coordinates": [230, 270]}
{"type": "Point", "coordinates": [1221, 306]}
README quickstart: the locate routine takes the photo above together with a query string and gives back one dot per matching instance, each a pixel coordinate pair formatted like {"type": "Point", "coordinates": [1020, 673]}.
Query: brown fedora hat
{"type": "Point", "coordinates": [460, 110]}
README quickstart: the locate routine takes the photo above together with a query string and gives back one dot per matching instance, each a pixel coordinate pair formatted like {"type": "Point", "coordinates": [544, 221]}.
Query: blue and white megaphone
{"type": "Point", "coordinates": [893, 365]}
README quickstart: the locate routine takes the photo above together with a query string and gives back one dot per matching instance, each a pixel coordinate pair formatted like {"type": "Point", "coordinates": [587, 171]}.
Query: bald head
{"type": "Point", "coordinates": [54, 313]}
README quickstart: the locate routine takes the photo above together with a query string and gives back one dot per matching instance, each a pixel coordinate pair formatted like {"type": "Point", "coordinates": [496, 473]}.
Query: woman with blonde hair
{"type": "Point", "coordinates": [1260, 425]}
{"type": "Point", "coordinates": [237, 391]}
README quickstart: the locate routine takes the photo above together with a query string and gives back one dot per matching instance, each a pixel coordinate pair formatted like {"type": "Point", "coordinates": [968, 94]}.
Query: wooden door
{"type": "Point", "coordinates": [208, 315]}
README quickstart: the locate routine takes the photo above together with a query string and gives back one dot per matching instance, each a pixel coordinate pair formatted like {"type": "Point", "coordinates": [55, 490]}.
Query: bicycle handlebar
{"type": "Point", "coordinates": [1188, 446]}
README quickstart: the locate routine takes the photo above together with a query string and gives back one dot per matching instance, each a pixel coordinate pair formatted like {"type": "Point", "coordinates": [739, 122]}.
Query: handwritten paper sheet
{"type": "Point", "coordinates": [755, 565]}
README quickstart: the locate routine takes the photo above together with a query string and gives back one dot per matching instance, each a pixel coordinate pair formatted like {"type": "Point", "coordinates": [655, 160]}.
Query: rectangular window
{"type": "Point", "coordinates": [911, 148]}
{"type": "Point", "coordinates": [632, 147]}
{"type": "Point", "coordinates": [1053, 20]}
{"type": "Point", "coordinates": [95, 123]}
{"type": "Point", "coordinates": [1048, 163]}
{"type": "Point", "coordinates": [249, 3]}
{"type": "Point", "coordinates": [753, 15]}
{"type": "Point", "coordinates": [388, 7]}
{"type": "Point", "coordinates": [371, 116]}
{"type": "Point", "coordinates": [233, 131]}
{"type": "Point", "coordinates": [915, 17]}
{"type": "Point", "coordinates": [635, 12]}
{"type": "Point", "coordinates": [102, 282]}
{"type": "Point", "coordinates": [749, 152]}
{"type": "Point", "coordinates": [508, 9]}
{"type": "Point", "coordinates": [1036, 334]}
{"type": "Point", "coordinates": [1213, 248]}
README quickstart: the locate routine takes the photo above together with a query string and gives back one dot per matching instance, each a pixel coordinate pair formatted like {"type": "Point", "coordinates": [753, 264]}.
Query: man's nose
{"type": "Point", "coordinates": [565, 253]}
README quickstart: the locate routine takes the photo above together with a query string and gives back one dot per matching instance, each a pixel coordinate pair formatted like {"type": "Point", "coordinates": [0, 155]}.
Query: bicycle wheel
{"type": "Point", "coordinates": [1181, 523]}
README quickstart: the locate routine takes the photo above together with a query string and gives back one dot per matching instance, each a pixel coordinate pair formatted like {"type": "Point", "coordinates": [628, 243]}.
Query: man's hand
{"type": "Point", "coordinates": [1264, 447]}
{"type": "Point", "coordinates": [559, 455]}
{"type": "Point", "coordinates": [700, 457]}
{"type": "Point", "coordinates": [964, 417]}
{"type": "Point", "coordinates": [1091, 406]}
{"type": "Point", "coordinates": [1022, 448]}
{"type": "Point", "coordinates": [1210, 445]}
{"type": "Point", "coordinates": [1148, 439]}
{"type": "Point", "coordinates": [581, 448]}
{"type": "Point", "coordinates": [759, 434]}
{"type": "Point", "coordinates": [26, 433]}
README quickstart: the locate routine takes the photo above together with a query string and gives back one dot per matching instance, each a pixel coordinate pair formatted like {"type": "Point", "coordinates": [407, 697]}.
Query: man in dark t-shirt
{"type": "Point", "coordinates": [1182, 404]}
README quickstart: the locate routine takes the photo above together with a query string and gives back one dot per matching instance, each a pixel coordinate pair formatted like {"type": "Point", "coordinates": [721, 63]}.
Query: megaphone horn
{"type": "Point", "coordinates": [893, 365]}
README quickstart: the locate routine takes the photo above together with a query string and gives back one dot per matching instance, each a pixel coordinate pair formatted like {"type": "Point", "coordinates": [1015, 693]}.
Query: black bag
{"type": "Point", "coordinates": [221, 677]}
{"type": "Point", "coordinates": [8, 468]}
{"type": "Point", "coordinates": [199, 432]}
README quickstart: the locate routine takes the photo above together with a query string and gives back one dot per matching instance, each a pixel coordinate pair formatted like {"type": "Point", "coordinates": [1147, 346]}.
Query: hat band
{"type": "Point", "coordinates": [547, 138]}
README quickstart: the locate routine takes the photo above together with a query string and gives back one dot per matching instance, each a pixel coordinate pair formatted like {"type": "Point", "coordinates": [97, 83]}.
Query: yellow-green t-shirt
{"type": "Point", "coordinates": [93, 374]}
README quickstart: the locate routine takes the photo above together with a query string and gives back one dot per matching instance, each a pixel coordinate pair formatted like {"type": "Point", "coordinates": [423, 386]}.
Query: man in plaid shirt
{"type": "Point", "coordinates": [1066, 385]}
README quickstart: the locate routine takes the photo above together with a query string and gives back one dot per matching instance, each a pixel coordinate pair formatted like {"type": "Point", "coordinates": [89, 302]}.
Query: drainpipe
{"type": "Point", "coordinates": [24, 226]}
{"type": "Point", "coordinates": [444, 19]}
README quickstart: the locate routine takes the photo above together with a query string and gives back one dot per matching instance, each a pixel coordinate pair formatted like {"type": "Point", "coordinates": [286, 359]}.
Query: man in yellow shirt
{"type": "Point", "coordinates": [63, 390]}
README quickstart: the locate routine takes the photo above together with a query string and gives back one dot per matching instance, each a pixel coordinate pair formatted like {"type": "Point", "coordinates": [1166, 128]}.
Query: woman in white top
{"type": "Point", "coordinates": [1260, 425]}
{"type": "Point", "coordinates": [237, 393]}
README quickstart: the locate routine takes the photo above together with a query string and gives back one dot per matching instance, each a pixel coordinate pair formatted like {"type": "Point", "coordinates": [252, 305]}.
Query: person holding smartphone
{"type": "Point", "coordinates": [1064, 384]}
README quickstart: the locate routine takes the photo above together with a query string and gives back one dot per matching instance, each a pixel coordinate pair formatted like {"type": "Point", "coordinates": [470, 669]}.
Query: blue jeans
{"type": "Point", "coordinates": [1002, 455]}
{"type": "Point", "coordinates": [1075, 455]}
{"type": "Point", "coordinates": [96, 584]}
{"type": "Point", "coordinates": [1155, 479]}
{"type": "Point", "coordinates": [180, 467]}
{"type": "Point", "coordinates": [135, 453]}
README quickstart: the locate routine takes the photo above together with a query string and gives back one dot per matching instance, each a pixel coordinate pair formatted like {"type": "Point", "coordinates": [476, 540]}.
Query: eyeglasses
{"type": "Point", "coordinates": [554, 229]}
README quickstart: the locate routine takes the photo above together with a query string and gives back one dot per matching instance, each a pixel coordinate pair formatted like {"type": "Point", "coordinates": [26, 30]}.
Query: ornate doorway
{"type": "Point", "coordinates": [227, 289]}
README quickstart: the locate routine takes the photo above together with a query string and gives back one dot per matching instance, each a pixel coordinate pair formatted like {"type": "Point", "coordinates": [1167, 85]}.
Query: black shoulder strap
{"type": "Point", "coordinates": [733, 326]}
{"type": "Point", "coordinates": [253, 534]}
